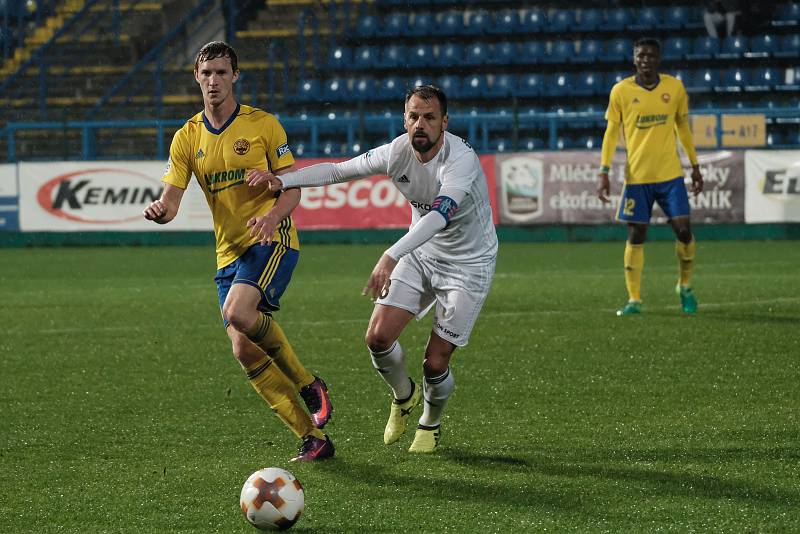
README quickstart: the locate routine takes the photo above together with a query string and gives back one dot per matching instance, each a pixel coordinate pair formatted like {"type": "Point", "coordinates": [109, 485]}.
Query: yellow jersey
{"type": "Point", "coordinates": [651, 120]}
{"type": "Point", "coordinates": [220, 160]}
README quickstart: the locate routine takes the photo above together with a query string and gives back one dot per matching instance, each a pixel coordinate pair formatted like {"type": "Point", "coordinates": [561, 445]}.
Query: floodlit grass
{"type": "Point", "coordinates": [124, 411]}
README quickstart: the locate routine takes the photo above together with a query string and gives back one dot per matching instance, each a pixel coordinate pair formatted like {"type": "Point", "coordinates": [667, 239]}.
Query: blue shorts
{"type": "Point", "coordinates": [267, 268]}
{"type": "Point", "coordinates": [636, 203]}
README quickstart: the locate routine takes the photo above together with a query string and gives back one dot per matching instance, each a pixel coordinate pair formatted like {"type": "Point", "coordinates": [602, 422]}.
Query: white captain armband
{"type": "Point", "coordinates": [446, 206]}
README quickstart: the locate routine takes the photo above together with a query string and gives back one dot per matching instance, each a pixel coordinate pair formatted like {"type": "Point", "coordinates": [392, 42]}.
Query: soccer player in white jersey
{"type": "Point", "coordinates": [446, 261]}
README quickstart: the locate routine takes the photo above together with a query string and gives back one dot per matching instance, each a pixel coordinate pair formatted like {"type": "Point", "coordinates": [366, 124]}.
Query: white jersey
{"type": "Point", "coordinates": [470, 236]}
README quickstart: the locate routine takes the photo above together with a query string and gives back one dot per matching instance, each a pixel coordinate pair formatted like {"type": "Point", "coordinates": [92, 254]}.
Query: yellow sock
{"type": "Point", "coordinates": [268, 380]}
{"type": "Point", "coordinates": [685, 252]}
{"type": "Point", "coordinates": [634, 263]}
{"type": "Point", "coordinates": [268, 334]}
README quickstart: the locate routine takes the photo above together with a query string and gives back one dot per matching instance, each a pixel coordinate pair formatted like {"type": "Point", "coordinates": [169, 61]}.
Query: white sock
{"type": "Point", "coordinates": [391, 366]}
{"type": "Point", "coordinates": [436, 391]}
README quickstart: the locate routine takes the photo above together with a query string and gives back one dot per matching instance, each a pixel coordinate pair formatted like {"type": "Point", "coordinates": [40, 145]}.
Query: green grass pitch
{"type": "Point", "coordinates": [124, 411]}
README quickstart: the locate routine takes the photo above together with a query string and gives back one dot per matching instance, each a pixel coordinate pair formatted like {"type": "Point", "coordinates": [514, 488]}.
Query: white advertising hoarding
{"type": "Point", "coordinates": [101, 196]}
{"type": "Point", "coordinates": [772, 190]}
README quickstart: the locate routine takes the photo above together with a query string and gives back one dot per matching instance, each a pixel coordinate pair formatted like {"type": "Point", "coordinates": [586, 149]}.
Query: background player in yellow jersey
{"type": "Point", "coordinates": [218, 146]}
{"type": "Point", "coordinates": [651, 108]}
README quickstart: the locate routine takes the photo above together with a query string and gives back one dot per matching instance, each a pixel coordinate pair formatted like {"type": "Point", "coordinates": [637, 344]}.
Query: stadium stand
{"type": "Point", "coordinates": [314, 58]}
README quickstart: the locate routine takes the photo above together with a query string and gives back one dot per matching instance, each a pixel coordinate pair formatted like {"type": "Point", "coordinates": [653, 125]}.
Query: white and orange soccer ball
{"type": "Point", "coordinates": [272, 499]}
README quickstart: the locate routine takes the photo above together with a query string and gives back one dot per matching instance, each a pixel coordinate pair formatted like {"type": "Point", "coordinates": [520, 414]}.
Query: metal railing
{"type": "Point", "coordinates": [356, 132]}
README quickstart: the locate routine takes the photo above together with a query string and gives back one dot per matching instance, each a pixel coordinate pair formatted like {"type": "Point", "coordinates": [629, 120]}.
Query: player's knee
{"type": "Point", "coordinates": [435, 364]}
{"type": "Point", "coordinates": [238, 318]}
{"type": "Point", "coordinates": [377, 341]}
{"type": "Point", "coordinates": [684, 235]}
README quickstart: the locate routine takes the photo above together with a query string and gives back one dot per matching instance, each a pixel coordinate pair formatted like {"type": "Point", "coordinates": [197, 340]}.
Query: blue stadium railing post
{"type": "Point", "coordinates": [87, 153]}
{"type": "Point", "coordinates": [553, 141]}
{"type": "Point", "coordinates": [11, 142]}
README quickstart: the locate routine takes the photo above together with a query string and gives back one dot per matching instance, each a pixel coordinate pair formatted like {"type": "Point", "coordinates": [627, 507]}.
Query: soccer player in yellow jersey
{"type": "Point", "coordinates": [652, 109]}
{"type": "Point", "coordinates": [219, 145]}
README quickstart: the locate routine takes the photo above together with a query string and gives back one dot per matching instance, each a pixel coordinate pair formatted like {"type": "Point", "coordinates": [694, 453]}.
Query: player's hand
{"type": "Point", "coordinates": [697, 181]}
{"type": "Point", "coordinates": [603, 187]}
{"type": "Point", "coordinates": [263, 227]}
{"type": "Point", "coordinates": [155, 211]}
{"type": "Point", "coordinates": [260, 177]}
{"type": "Point", "coordinates": [378, 283]}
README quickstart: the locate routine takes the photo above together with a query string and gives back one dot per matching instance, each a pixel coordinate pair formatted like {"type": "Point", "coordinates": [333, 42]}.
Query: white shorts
{"type": "Point", "coordinates": [458, 290]}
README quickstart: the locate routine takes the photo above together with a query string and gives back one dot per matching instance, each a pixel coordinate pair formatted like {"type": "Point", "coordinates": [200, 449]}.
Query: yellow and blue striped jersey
{"type": "Point", "coordinates": [220, 160]}
{"type": "Point", "coordinates": [650, 119]}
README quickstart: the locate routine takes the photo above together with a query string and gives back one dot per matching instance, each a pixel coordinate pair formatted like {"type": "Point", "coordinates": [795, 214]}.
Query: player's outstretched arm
{"type": "Point", "coordinates": [261, 177]}
{"type": "Point", "coordinates": [164, 209]}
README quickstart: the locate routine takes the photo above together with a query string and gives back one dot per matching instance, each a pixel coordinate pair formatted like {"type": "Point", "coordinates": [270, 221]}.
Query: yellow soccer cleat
{"type": "Point", "coordinates": [425, 440]}
{"type": "Point", "coordinates": [398, 416]}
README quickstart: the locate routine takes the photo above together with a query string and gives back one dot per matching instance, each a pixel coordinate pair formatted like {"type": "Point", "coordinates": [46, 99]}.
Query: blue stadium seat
{"type": "Point", "coordinates": [560, 20]}
{"type": "Point", "coordinates": [647, 18]}
{"type": "Point", "coordinates": [365, 88]}
{"type": "Point", "coordinates": [675, 17]}
{"type": "Point", "coordinates": [590, 19]}
{"type": "Point", "coordinates": [787, 14]}
{"type": "Point", "coordinates": [300, 148]}
{"type": "Point", "coordinates": [618, 19]}
{"type": "Point", "coordinates": [451, 22]}
{"type": "Point", "coordinates": [476, 53]}
{"type": "Point", "coordinates": [762, 46]}
{"type": "Point", "coordinates": [506, 22]}
{"type": "Point", "coordinates": [617, 50]}
{"type": "Point", "coordinates": [764, 79]}
{"type": "Point", "coordinates": [366, 57]}
{"type": "Point", "coordinates": [531, 52]}
{"type": "Point", "coordinates": [675, 48]}
{"type": "Point", "coordinates": [331, 148]}
{"type": "Point", "coordinates": [477, 22]}
{"type": "Point", "coordinates": [588, 84]}
{"type": "Point", "coordinates": [732, 48]}
{"type": "Point", "coordinates": [791, 82]}
{"type": "Point", "coordinates": [790, 46]}
{"type": "Point", "coordinates": [503, 119]}
{"type": "Point", "coordinates": [395, 24]}
{"type": "Point", "coordinates": [502, 85]}
{"type": "Point", "coordinates": [450, 55]}
{"type": "Point", "coordinates": [532, 143]}
{"type": "Point", "coordinates": [588, 141]}
{"type": "Point", "coordinates": [421, 55]}
{"type": "Point", "coordinates": [474, 86]}
{"type": "Point", "coordinates": [682, 75]}
{"type": "Point", "coordinates": [335, 90]}
{"type": "Point", "coordinates": [703, 48]}
{"type": "Point", "coordinates": [532, 20]}
{"type": "Point", "coordinates": [732, 81]}
{"type": "Point", "coordinates": [393, 56]}
{"type": "Point", "coordinates": [560, 51]}
{"type": "Point", "coordinates": [503, 53]}
{"type": "Point", "coordinates": [340, 57]}
{"type": "Point", "coordinates": [391, 88]}
{"type": "Point", "coordinates": [588, 51]}
{"type": "Point", "coordinates": [499, 144]}
{"type": "Point", "coordinates": [531, 84]}
{"type": "Point", "coordinates": [559, 84]}
{"type": "Point", "coordinates": [616, 77]}
{"type": "Point", "coordinates": [309, 90]}
{"type": "Point", "coordinates": [451, 85]}
{"type": "Point", "coordinates": [703, 81]}
{"type": "Point", "coordinates": [422, 23]}
{"type": "Point", "coordinates": [367, 26]}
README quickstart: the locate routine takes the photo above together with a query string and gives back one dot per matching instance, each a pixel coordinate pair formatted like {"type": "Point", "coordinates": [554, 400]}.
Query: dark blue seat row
{"type": "Point", "coordinates": [502, 85]}
{"type": "Point", "coordinates": [532, 52]}
{"type": "Point", "coordinates": [505, 21]}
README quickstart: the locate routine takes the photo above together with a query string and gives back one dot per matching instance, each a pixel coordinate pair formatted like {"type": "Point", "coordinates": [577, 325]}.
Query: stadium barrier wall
{"type": "Point", "coordinates": [536, 196]}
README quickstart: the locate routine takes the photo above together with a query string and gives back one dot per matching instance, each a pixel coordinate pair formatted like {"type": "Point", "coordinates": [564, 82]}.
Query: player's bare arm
{"type": "Point", "coordinates": [261, 177]}
{"type": "Point", "coordinates": [603, 187]}
{"type": "Point", "coordinates": [697, 180]}
{"type": "Point", "coordinates": [164, 209]}
{"type": "Point", "coordinates": [379, 279]}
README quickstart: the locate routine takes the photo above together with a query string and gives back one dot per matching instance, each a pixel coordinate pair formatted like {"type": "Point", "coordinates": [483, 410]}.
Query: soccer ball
{"type": "Point", "coordinates": [272, 499]}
